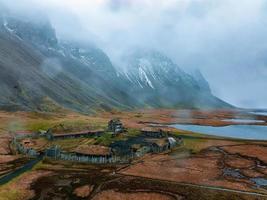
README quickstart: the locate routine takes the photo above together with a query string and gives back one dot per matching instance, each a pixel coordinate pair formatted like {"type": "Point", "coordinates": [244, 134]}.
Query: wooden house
{"type": "Point", "coordinates": [115, 126]}
{"type": "Point", "coordinates": [153, 132]}
{"type": "Point", "coordinates": [158, 145]}
{"type": "Point", "coordinates": [87, 133]}
{"type": "Point", "coordinates": [53, 152]}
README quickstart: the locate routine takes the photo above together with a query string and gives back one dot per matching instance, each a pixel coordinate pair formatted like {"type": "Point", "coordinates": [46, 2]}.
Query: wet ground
{"type": "Point", "coordinates": [11, 164]}
{"type": "Point", "coordinates": [100, 182]}
{"type": "Point", "coordinates": [216, 172]}
{"type": "Point", "coordinates": [205, 169]}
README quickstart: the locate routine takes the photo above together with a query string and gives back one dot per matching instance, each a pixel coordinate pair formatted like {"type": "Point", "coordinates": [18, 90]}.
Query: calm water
{"type": "Point", "coordinates": [263, 113]}
{"type": "Point", "coordinates": [260, 182]}
{"type": "Point", "coordinates": [233, 131]}
{"type": "Point", "coordinates": [243, 120]}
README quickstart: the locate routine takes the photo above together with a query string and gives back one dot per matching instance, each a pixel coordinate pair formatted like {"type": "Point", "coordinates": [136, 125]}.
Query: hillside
{"type": "Point", "coordinates": [41, 72]}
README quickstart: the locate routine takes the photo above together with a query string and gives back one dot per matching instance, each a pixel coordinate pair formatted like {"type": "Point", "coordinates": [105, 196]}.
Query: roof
{"type": "Point", "coordinates": [28, 143]}
{"type": "Point", "coordinates": [115, 120]}
{"type": "Point", "coordinates": [95, 150]}
{"type": "Point", "coordinates": [78, 133]}
{"type": "Point", "coordinates": [136, 146]}
{"type": "Point", "coordinates": [23, 132]}
{"type": "Point", "coordinates": [151, 129]}
{"type": "Point", "coordinates": [160, 142]}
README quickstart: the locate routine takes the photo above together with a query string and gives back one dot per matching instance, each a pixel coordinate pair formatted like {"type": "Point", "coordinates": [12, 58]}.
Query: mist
{"type": "Point", "coordinates": [225, 39]}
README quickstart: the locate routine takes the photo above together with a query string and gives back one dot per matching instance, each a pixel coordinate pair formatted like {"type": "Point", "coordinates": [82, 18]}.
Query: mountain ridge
{"type": "Point", "coordinates": [82, 77]}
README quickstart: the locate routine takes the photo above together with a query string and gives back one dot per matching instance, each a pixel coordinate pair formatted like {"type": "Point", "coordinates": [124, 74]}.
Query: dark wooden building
{"type": "Point", "coordinates": [158, 145]}
{"type": "Point", "coordinates": [154, 133]}
{"type": "Point", "coordinates": [115, 126]}
{"type": "Point", "coordinates": [87, 133]}
{"type": "Point", "coordinates": [94, 151]}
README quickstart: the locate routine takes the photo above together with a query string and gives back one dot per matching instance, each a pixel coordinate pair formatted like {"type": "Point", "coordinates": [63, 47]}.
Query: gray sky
{"type": "Point", "coordinates": [225, 39]}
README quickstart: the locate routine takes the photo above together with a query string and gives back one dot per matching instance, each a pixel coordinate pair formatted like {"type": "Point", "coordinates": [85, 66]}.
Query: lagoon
{"type": "Point", "coordinates": [251, 132]}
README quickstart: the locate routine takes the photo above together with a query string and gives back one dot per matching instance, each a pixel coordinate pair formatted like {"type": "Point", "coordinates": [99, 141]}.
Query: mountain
{"type": "Point", "coordinates": [201, 81]}
{"type": "Point", "coordinates": [161, 83]}
{"type": "Point", "coordinates": [41, 72]}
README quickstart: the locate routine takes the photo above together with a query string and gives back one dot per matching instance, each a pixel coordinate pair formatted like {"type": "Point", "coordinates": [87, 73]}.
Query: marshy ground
{"type": "Point", "coordinates": [203, 167]}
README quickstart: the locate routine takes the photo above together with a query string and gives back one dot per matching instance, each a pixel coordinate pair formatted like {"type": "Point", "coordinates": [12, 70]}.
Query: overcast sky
{"type": "Point", "coordinates": [225, 39]}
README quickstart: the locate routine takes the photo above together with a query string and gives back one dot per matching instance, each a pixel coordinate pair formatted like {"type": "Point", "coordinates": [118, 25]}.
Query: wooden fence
{"type": "Point", "coordinates": [22, 149]}
{"type": "Point", "coordinates": [57, 154]}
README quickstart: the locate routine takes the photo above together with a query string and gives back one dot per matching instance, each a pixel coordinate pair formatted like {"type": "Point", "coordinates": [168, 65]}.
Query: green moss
{"type": "Point", "coordinates": [193, 144]}
{"type": "Point", "coordinates": [133, 132]}
{"type": "Point", "coordinates": [106, 139]}
{"type": "Point", "coordinates": [72, 143]}
{"type": "Point", "coordinates": [69, 124]}
{"type": "Point", "coordinates": [39, 125]}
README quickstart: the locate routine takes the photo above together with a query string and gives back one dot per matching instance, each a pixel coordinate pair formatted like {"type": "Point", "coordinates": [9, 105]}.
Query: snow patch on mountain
{"type": "Point", "coordinates": [144, 78]}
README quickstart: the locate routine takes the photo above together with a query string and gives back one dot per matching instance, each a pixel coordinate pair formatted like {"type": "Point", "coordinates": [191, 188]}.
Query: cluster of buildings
{"type": "Point", "coordinates": [115, 126]}
{"type": "Point", "coordinates": [151, 140]}
{"type": "Point", "coordinates": [155, 141]}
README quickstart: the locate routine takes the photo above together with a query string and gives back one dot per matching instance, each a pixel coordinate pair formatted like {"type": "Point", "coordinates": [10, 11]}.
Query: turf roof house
{"type": "Point", "coordinates": [26, 147]}
{"type": "Point", "coordinates": [158, 140]}
{"type": "Point", "coordinates": [94, 151]}
{"type": "Point", "coordinates": [84, 153]}
{"type": "Point", "coordinates": [86, 133]}
{"type": "Point", "coordinates": [154, 133]}
{"type": "Point", "coordinates": [140, 150]}
{"type": "Point", "coordinates": [115, 126]}
{"type": "Point", "coordinates": [161, 144]}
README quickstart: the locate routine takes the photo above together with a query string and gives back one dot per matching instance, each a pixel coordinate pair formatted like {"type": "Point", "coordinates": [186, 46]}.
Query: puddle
{"type": "Point", "coordinates": [232, 172]}
{"type": "Point", "coordinates": [260, 182]}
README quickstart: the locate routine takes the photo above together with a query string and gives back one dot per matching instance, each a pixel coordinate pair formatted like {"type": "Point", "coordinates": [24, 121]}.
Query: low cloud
{"type": "Point", "coordinates": [225, 39]}
{"type": "Point", "coordinates": [51, 67]}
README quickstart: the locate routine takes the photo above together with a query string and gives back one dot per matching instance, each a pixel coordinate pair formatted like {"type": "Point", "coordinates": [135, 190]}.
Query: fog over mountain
{"type": "Point", "coordinates": [225, 39]}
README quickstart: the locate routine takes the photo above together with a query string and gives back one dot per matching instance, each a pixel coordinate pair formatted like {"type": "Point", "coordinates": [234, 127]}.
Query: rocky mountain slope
{"type": "Point", "coordinates": [40, 72]}
{"type": "Point", "coordinates": [162, 83]}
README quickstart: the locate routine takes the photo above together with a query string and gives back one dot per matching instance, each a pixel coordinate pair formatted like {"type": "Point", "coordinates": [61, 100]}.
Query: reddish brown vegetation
{"type": "Point", "coordinates": [83, 191]}
{"type": "Point", "coordinates": [201, 170]}
{"type": "Point", "coordinates": [7, 158]}
{"type": "Point", "coordinates": [93, 150]}
{"type": "Point", "coordinates": [114, 195]}
{"type": "Point", "coordinates": [139, 119]}
{"type": "Point", "coordinates": [4, 147]}
{"type": "Point", "coordinates": [250, 150]}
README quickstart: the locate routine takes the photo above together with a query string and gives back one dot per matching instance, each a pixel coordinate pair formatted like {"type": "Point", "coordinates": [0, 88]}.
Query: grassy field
{"type": "Point", "coordinates": [21, 121]}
